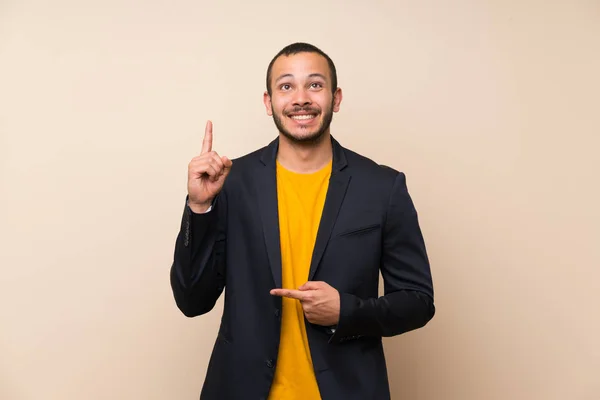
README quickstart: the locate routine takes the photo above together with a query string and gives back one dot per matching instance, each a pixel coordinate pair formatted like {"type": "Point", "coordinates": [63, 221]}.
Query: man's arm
{"type": "Point", "coordinates": [407, 303]}
{"type": "Point", "coordinates": [198, 270]}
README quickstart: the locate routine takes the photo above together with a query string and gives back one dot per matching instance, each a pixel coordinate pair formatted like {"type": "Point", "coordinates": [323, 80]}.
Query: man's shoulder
{"type": "Point", "coordinates": [247, 161]}
{"type": "Point", "coordinates": [365, 165]}
{"type": "Point", "coordinates": [252, 156]}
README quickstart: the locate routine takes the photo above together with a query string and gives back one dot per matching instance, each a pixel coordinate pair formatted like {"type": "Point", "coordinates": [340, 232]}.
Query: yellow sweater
{"type": "Point", "coordinates": [300, 198]}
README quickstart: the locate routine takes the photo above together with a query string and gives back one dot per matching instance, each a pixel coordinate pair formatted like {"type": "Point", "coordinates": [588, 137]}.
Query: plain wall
{"type": "Point", "coordinates": [492, 109]}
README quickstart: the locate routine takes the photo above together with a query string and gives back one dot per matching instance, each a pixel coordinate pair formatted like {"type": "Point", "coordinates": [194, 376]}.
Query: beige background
{"type": "Point", "coordinates": [491, 108]}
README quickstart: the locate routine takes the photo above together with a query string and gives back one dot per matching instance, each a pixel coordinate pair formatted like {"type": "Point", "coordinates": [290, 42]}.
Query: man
{"type": "Point", "coordinates": [295, 234]}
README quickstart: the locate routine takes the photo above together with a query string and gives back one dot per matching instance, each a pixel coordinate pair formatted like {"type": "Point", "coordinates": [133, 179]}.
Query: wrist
{"type": "Point", "coordinates": [199, 208]}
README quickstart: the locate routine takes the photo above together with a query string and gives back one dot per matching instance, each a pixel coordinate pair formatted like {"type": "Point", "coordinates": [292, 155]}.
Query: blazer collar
{"type": "Point", "coordinates": [269, 154]}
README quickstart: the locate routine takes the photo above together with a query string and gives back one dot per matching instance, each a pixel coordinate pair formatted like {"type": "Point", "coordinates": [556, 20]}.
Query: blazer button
{"type": "Point", "coordinates": [269, 363]}
{"type": "Point", "coordinates": [277, 312]}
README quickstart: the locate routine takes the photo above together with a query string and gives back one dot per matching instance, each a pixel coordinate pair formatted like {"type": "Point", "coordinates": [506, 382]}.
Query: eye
{"type": "Point", "coordinates": [316, 85]}
{"type": "Point", "coordinates": [285, 86]}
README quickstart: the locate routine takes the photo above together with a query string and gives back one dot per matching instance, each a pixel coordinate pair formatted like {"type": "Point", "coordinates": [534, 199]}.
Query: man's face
{"type": "Point", "coordinates": [301, 102]}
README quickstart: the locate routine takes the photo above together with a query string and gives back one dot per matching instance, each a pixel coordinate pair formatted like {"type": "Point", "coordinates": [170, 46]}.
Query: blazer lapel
{"type": "Point", "coordinates": [266, 192]}
{"type": "Point", "coordinates": [338, 184]}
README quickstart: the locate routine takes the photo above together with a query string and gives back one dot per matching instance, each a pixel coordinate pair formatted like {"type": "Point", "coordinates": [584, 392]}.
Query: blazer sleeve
{"type": "Point", "coordinates": [198, 270]}
{"type": "Point", "coordinates": [407, 303]}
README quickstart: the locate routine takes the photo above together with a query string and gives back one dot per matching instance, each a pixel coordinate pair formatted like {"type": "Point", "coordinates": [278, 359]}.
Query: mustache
{"type": "Point", "coordinates": [306, 109]}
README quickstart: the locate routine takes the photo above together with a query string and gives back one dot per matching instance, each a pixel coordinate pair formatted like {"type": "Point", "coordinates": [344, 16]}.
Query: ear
{"type": "Point", "coordinates": [337, 99]}
{"type": "Point", "coordinates": [268, 105]}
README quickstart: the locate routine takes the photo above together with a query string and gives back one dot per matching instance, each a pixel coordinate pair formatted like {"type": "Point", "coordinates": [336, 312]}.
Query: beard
{"type": "Point", "coordinates": [311, 138]}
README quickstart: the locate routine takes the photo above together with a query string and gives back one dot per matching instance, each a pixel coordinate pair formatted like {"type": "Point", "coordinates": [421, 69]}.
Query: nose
{"type": "Point", "coordinates": [301, 98]}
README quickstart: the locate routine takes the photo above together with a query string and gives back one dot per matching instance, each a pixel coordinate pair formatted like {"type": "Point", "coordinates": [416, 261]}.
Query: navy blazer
{"type": "Point", "coordinates": [369, 224]}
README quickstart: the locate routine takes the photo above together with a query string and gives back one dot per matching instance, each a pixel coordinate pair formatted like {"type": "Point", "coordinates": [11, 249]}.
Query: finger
{"type": "Point", "coordinates": [289, 293]}
{"type": "Point", "coordinates": [206, 156]}
{"type": "Point", "coordinates": [210, 170]}
{"type": "Point", "coordinates": [203, 166]}
{"type": "Point", "coordinates": [221, 164]}
{"type": "Point", "coordinates": [227, 163]}
{"type": "Point", "coordinates": [208, 138]}
{"type": "Point", "coordinates": [311, 285]}
{"type": "Point", "coordinates": [217, 161]}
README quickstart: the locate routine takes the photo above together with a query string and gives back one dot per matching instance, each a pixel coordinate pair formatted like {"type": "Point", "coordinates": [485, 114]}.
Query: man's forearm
{"type": "Point", "coordinates": [197, 273]}
{"type": "Point", "coordinates": [389, 315]}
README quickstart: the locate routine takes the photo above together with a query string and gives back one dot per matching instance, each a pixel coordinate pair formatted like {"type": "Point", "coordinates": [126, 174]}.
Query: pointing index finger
{"type": "Point", "coordinates": [293, 294]}
{"type": "Point", "coordinates": [208, 138]}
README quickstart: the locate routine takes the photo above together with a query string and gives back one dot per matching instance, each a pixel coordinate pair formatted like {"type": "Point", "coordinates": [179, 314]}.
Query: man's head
{"type": "Point", "coordinates": [302, 92]}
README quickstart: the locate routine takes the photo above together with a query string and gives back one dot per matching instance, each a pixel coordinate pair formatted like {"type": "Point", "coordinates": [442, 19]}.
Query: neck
{"type": "Point", "coordinates": [304, 157]}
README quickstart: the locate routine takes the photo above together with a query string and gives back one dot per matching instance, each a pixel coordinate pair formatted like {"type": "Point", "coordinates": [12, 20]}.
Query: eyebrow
{"type": "Point", "coordinates": [316, 74]}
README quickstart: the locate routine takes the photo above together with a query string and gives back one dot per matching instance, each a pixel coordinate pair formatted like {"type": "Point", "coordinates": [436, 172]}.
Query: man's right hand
{"type": "Point", "coordinates": [206, 174]}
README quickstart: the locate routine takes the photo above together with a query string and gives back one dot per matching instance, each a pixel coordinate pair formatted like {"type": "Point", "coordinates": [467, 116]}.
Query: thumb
{"type": "Point", "coordinates": [227, 163]}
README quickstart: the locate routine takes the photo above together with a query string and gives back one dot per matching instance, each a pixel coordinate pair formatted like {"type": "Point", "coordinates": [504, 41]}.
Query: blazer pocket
{"type": "Point", "coordinates": [356, 231]}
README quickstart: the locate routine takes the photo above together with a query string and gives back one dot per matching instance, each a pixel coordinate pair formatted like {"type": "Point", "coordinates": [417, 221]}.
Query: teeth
{"type": "Point", "coordinates": [302, 116]}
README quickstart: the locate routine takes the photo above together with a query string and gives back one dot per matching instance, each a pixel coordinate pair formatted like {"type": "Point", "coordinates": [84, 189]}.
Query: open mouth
{"type": "Point", "coordinates": [303, 117]}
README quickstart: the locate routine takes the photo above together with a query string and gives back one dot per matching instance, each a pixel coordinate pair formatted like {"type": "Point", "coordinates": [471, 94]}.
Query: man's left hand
{"type": "Point", "coordinates": [320, 302]}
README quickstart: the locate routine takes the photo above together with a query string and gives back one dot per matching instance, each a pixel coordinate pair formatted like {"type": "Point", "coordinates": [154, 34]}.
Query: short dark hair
{"type": "Point", "coordinates": [301, 47]}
